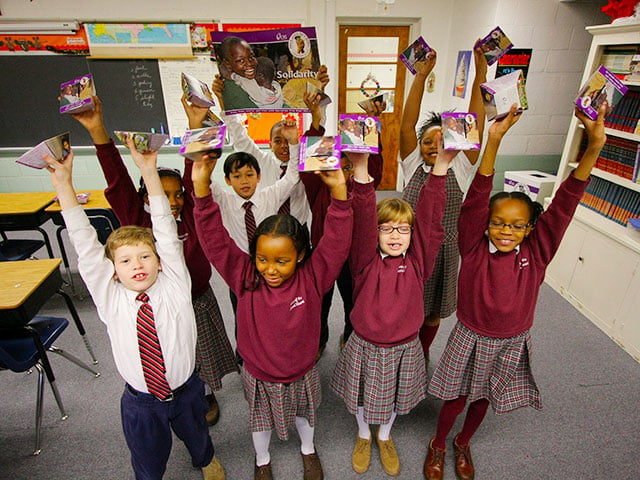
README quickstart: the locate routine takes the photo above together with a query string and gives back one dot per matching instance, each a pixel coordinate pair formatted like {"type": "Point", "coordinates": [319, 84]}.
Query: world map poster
{"type": "Point", "coordinates": [139, 40]}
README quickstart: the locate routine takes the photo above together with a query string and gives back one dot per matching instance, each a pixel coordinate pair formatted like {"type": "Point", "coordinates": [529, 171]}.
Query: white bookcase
{"type": "Point", "coordinates": [597, 267]}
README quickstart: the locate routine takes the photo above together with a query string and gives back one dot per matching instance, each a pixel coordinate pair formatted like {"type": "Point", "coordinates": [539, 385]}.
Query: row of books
{"type": "Point", "coordinates": [618, 156]}
{"type": "Point", "coordinates": [612, 201]}
{"type": "Point", "coordinates": [626, 113]}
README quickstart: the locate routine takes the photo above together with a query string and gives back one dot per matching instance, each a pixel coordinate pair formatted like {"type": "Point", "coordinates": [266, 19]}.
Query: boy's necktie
{"type": "Point", "coordinates": [285, 208]}
{"type": "Point", "coordinates": [153, 366]}
{"type": "Point", "coordinates": [249, 220]}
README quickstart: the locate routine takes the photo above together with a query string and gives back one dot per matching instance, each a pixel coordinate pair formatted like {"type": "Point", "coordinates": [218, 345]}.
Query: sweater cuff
{"type": "Point", "coordinates": [106, 146]}
{"type": "Point", "coordinates": [360, 188]}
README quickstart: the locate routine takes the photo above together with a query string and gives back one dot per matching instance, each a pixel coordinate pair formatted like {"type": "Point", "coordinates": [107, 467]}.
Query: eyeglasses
{"type": "Point", "coordinates": [347, 167]}
{"type": "Point", "coordinates": [386, 229]}
{"type": "Point", "coordinates": [520, 227]}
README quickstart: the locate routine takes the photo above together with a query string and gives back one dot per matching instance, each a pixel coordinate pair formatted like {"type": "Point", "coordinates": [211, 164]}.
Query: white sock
{"type": "Point", "coordinates": [261, 442]}
{"type": "Point", "coordinates": [305, 430]}
{"type": "Point", "coordinates": [385, 430]}
{"type": "Point", "coordinates": [363, 427]}
{"type": "Point", "coordinates": [207, 389]}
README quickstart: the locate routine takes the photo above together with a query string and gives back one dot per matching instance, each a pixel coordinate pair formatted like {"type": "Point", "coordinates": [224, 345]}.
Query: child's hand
{"type": "Point", "coordinates": [290, 131]}
{"type": "Point", "coordinates": [374, 109]}
{"type": "Point", "coordinates": [217, 87]}
{"type": "Point", "coordinates": [61, 171]}
{"type": "Point", "coordinates": [144, 161]}
{"type": "Point", "coordinates": [502, 126]}
{"type": "Point", "coordinates": [323, 76]}
{"type": "Point", "coordinates": [313, 104]}
{"type": "Point", "coordinates": [594, 128]}
{"type": "Point", "coordinates": [334, 179]}
{"type": "Point", "coordinates": [195, 114]}
{"type": "Point", "coordinates": [424, 67]}
{"type": "Point", "coordinates": [201, 175]}
{"type": "Point", "coordinates": [444, 158]}
{"type": "Point", "coordinates": [360, 162]}
{"type": "Point", "coordinates": [93, 122]}
{"type": "Point", "coordinates": [480, 61]}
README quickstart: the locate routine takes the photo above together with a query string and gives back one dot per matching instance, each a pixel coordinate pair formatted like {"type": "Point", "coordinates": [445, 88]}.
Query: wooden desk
{"type": "Point", "coordinates": [25, 286]}
{"type": "Point", "coordinates": [96, 200]}
{"type": "Point", "coordinates": [26, 211]}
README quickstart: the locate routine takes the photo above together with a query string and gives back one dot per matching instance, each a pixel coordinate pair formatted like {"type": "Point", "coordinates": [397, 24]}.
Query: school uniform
{"type": "Point", "coordinates": [148, 421]}
{"type": "Point", "coordinates": [278, 328]}
{"type": "Point", "coordinates": [214, 354]}
{"type": "Point", "coordinates": [382, 364]}
{"type": "Point", "coordinates": [440, 288]}
{"type": "Point", "coordinates": [488, 351]}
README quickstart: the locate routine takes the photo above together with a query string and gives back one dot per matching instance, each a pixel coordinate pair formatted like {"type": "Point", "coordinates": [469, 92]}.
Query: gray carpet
{"type": "Point", "coordinates": [588, 428]}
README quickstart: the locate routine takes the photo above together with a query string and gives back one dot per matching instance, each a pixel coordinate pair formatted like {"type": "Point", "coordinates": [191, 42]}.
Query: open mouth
{"type": "Point", "coordinates": [140, 276]}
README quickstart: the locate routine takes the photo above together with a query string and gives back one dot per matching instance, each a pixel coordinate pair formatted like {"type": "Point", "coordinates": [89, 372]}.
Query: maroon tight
{"type": "Point", "coordinates": [448, 414]}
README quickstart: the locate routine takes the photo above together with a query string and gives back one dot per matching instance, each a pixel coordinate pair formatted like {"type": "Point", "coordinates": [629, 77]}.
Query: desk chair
{"type": "Point", "coordinates": [24, 347]}
{"type": "Point", "coordinates": [18, 249]}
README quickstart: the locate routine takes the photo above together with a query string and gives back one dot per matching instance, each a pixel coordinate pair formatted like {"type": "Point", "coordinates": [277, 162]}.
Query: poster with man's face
{"type": "Point", "coordinates": [266, 70]}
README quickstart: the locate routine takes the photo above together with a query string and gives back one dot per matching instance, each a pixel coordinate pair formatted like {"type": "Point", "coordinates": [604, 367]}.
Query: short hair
{"type": "Point", "coordinates": [535, 208]}
{"type": "Point", "coordinates": [280, 226]}
{"type": "Point", "coordinates": [163, 172]}
{"type": "Point", "coordinates": [434, 119]}
{"type": "Point", "coordinates": [227, 44]}
{"type": "Point", "coordinates": [395, 210]}
{"type": "Point", "coordinates": [129, 235]}
{"type": "Point", "coordinates": [266, 67]}
{"type": "Point", "coordinates": [237, 160]}
{"type": "Point", "coordinates": [276, 125]}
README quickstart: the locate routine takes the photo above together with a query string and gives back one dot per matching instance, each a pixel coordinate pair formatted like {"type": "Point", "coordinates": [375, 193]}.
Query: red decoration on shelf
{"type": "Point", "coordinates": [619, 8]}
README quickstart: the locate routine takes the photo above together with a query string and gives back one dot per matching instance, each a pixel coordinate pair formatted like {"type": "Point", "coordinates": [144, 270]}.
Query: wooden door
{"type": "Point", "coordinates": [365, 50]}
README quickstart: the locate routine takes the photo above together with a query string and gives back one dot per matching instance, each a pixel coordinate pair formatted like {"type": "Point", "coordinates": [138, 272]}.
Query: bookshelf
{"type": "Point", "coordinates": [597, 267]}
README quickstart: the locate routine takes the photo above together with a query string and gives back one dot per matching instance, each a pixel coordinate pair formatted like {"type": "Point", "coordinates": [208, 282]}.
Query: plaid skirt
{"type": "Point", "coordinates": [497, 369]}
{"type": "Point", "coordinates": [380, 379]}
{"type": "Point", "coordinates": [440, 290]}
{"type": "Point", "coordinates": [214, 355]}
{"type": "Point", "coordinates": [276, 405]}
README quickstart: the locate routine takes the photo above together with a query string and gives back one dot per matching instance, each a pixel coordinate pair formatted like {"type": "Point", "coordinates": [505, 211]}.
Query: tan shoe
{"type": "Point", "coordinates": [434, 463]}
{"type": "Point", "coordinates": [389, 457]}
{"type": "Point", "coordinates": [213, 471]}
{"type": "Point", "coordinates": [361, 456]}
{"type": "Point", "coordinates": [214, 409]}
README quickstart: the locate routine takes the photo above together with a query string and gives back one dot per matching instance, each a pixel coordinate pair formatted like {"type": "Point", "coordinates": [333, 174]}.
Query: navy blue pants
{"type": "Point", "coordinates": [147, 423]}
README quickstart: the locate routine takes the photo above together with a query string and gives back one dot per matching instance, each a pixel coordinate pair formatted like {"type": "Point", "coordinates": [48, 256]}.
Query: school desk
{"type": "Point", "coordinates": [25, 286]}
{"type": "Point", "coordinates": [26, 211]}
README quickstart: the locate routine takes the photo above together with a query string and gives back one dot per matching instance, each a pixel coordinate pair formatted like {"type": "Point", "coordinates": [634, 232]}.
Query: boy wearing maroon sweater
{"type": "Point", "coordinates": [381, 371]}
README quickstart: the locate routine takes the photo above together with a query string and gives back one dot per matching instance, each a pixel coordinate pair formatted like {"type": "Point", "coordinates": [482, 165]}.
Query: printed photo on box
{"type": "Point", "coordinates": [499, 94]}
{"type": "Point", "coordinates": [197, 91]}
{"type": "Point", "coordinates": [144, 141]}
{"type": "Point", "coordinates": [77, 95]}
{"type": "Point", "coordinates": [266, 70]}
{"type": "Point", "coordinates": [462, 73]}
{"type": "Point", "coordinates": [319, 153]}
{"type": "Point", "coordinates": [385, 99]}
{"type": "Point", "coordinates": [58, 147]}
{"type": "Point", "coordinates": [358, 133]}
{"type": "Point", "coordinates": [199, 141]}
{"type": "Point", "coordinates": [602, 86]}
{"type": "Point", "coordinates": [414, 53]}
{"type": "Point", "coordinates": [460, 131]}
{"type": "Point", "coordinates": [495, 45]}
{"type": "Point", "coordinates": [315, 91]}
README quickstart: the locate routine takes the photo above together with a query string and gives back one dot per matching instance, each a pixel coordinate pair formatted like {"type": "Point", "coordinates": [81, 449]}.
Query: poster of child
{"type": "Point", "coordinates": [266, 70]}
{"type": "Point", "coordinates": [319, 153]}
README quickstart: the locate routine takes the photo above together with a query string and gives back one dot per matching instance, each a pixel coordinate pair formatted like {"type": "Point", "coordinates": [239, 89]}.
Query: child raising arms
{"type": "Point", "coordinates": [381, 371]}
{"type": "Point", "coordinates": [506, 244]}
{"type": "Point", "coordinates": [279, 286]}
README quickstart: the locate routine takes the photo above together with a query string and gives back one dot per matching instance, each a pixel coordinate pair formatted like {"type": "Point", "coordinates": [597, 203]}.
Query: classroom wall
{"type": "Point", "coordinates": [554, 29]}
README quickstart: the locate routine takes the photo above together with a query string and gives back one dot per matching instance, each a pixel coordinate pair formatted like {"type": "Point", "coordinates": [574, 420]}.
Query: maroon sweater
{"type": "Point", "coordinates": [278, 328]}
{"type": "Point", "coordinates": [318, 194]}
{"type": "Point", "coordinates": [129, 208]}
{"type": "Point", "coordinates": [388, 291]}
{"type": "Point", "coordinates": [497, 292]}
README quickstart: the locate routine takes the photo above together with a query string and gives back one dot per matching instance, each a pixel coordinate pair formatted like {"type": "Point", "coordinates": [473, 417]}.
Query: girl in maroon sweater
{"type": "Point", "coordinates": [381, 370]}
{"type": "Point", "coordinates": [504, 259]}
{"type": "Point", "coordinates": [279, 288]}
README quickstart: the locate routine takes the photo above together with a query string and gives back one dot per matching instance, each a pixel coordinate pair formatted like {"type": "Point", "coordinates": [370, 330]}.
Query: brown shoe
{"type": "Point", "coordinates": [213, 471]}
{"type": "Point", "coordinates": [434, 464]}
{"type": "Point", "coordinates": [464, 463]}
{"type": "Point", "coordinates": [312, 467]}
{"type": "Point", "coordinates": [214, 409]}
{"type": "Point", "coordinates": [263, 472]}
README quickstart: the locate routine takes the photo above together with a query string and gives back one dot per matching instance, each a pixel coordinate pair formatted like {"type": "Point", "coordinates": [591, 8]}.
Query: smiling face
{"type": "Point", "coordinates": [137, 266]}
{"type": "Point", "coordinates": [175, 194]}
{"type": "Point", "coordinates": [276, 258]}
{"type": "Point", "coordinates": [505, 214]}
{"type": "Point", "coordinates": [244, 181]}
{"type": "Point", "coordinates": [429, 145]}
{"type": "Point", "coordinates": [242, 60]}
{"type": "Point", "coordinates": [394, 243]}
{"type": "Point", "coordinates": [279, 144]}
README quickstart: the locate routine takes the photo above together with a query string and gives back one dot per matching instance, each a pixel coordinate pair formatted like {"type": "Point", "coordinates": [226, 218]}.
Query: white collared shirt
{"type": "Point", "coordinates": [169, 297]}
{"type": "Point", "coordinates": [462, 167]}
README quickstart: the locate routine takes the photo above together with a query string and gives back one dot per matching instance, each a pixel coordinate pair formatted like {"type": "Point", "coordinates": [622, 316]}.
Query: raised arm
{"type": "Point", "coordinates": [411, 111]}
{"type": "Point", "coordinates": [476, 104]}
{"type": "Point", "coordinates": [93, 122]}
{"type": "Point", "coordinates": [596, 139]}
{"type": "Point", "coordinates": [496, 132]}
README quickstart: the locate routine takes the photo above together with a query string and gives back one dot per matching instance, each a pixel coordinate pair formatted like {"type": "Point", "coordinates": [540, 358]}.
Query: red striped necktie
{"type": "Point", "coordinates": [285, 208]}
{"type": "Point", "coordinates": [153, 366]}
{"type": "Point", "coordinates": [249, 220]}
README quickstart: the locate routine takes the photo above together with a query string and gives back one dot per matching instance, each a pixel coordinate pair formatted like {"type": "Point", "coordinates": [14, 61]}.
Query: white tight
{"type": "Point", "coordinates": [261, 441]}
{"type": "Point", "coordinates": [365, 432]}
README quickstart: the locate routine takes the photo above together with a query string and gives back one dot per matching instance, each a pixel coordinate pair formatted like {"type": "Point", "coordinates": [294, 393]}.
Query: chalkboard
{"type": "Point", "coordinates": [130, 91]}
